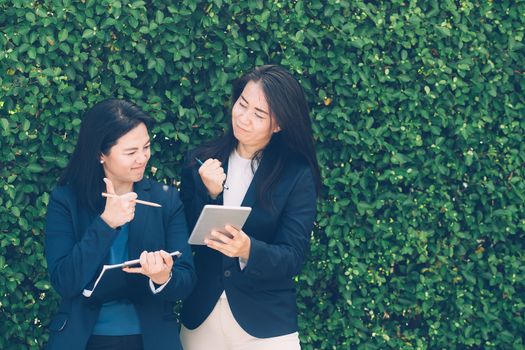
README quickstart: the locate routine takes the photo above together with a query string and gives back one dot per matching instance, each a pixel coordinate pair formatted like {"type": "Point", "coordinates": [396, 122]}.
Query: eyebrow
{"type": "Point", "coordinates": [260, 110]}
{"type": "Point", "coordinates": [135, 148]}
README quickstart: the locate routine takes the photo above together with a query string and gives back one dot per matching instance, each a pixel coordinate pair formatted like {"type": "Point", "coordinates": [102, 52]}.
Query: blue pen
{"type": "Point", "coordinates": [223, 185]}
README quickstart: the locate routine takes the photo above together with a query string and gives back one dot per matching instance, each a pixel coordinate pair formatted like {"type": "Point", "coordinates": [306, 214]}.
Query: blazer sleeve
{"type": "Point", "coordinates": [73, 264]}
{"type": "Point", "coordinates": [183, 272]}
{"type": "Point", "coordinates": [194, 194]}
{"type": "Point", "coordinates": [285, 256]}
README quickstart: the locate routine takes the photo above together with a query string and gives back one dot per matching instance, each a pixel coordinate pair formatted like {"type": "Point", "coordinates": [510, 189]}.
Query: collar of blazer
{"type": "Point", "coordinates": [137, 226]}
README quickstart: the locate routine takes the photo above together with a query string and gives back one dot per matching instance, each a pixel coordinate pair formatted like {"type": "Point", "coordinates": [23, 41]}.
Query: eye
{"type": "Point", "coordinates": [259, 116]}
{"type": "Point", "coordinates": [242, 105]}
{"type": "Point", "coordinates": [147, 147]}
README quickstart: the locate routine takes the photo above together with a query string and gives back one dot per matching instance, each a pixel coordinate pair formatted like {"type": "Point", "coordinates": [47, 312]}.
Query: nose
{"type": "Point", "coordinates": [142, 157]}
{"type": "Point", "coordinates": [244, 117]}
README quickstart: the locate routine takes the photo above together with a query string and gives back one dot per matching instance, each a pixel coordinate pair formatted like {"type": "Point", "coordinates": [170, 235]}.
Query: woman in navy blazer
{"type": "Point", "coordinates": [84, 231]}
{"type": "Point", "coordinates": [245, 293]}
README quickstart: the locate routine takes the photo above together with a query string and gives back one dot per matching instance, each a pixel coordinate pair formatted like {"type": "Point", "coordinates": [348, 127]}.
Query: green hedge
{"type": "Point", "coordinates": [419, 118]}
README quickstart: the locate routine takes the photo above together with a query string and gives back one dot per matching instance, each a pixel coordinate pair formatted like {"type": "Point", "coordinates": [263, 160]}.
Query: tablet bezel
{"type": "Point", "coordinates": [216, 217]}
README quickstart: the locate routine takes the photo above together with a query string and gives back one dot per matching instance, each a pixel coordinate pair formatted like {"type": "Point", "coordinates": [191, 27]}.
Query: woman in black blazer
{"type": "Point", "coordinates": [84, 231]}
{"type": "Point", "coordinates": [245, 294]}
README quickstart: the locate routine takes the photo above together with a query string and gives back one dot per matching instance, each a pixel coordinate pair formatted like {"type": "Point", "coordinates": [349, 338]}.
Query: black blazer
{"type": "Point", "coordinates": [262, 296]}
{"type": "Point", "coordinates": [77, 244]}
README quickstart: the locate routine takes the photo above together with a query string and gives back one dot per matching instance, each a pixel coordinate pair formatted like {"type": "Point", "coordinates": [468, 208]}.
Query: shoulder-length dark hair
{"type": "Point", "coordinates": [294, 141]}
{"type": "Point", "coordinates": [101, 127]}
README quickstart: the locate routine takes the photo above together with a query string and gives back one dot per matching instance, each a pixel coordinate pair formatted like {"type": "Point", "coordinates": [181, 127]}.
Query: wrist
{"type": "Point", "coordinates": [161, 278]}
{"type": "Point", "coordinates": [105, 218]}
{"type": "Point", "coordinates": [246, 253]}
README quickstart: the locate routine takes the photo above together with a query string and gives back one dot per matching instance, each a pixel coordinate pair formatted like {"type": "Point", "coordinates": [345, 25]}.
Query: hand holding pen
{"type": "Point", "coordinates": [118, 211]}
{"type": "Point", "coordinates": [213, 176]}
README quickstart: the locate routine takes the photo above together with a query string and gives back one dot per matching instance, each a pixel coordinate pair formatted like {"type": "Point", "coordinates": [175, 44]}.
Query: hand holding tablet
{"type": "Point", "coordinates": [216, 217]}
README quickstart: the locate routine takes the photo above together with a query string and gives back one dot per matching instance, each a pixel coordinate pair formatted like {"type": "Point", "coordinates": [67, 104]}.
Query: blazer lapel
{"type": "Point", "coordinates": [137, 226]}
{"type": "Point", "coordinates": [251, 193]}
{"type": "Point", "coordinates": [225, 168]}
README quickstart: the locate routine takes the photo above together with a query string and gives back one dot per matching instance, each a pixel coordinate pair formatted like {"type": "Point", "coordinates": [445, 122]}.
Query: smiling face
{"type": "Point", "coordinates": [126, 161]}
{"type": "Point", "coordinates": [252, 121]}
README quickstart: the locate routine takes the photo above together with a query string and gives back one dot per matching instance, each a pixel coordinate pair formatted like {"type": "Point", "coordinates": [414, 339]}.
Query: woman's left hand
{"type": "Point", "coordinates": [233, 243]}
{"type": "Point", "coordinates": [156, 265]}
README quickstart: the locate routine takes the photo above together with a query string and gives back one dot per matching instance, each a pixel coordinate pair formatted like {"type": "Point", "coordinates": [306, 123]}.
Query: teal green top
{"type": "Point", "coordinates": [118, 317]}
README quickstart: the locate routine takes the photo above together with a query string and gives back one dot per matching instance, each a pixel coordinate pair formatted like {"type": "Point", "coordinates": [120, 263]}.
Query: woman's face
{"type": "Point", "coordinates": [252, 122]}
{"type": "Point", "coordinates": [126, 161]}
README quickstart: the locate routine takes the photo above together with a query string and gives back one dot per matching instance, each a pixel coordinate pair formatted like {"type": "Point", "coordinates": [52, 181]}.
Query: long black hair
{"type": "Point", "coordinates": [101, 127]}
{"type": "Point", "coordinates": [287, 104]}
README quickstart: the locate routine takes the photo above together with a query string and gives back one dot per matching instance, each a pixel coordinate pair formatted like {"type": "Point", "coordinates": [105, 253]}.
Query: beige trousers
{"type": "Point", "coordinates": [220, 331]}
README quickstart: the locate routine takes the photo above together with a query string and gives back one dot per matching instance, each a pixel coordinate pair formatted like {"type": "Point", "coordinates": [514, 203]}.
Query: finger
{"type": "Point", "coordinates": [210, 243]}
{"type": "Point", "coordinates": [158, 259]}
{"type": "Point", "coordinates": [109, 186]}
{"type": "Point", "coordinates": [151, 258]}
{"type": "Point", "coordinates": [133, 270]}
{"type": "Point", "coordinates": [168, 259]}
{"type": "Point", "coordinates": [130, 197]}
{"type": "Point", "coordinates": [221, 247]}
{"type": "Point", "coordinates": [206, 165]}
{"type": "Point", "coordinates": [143, 259]}
{"type": "Point", "coordinates": [212, 162]}
{"type": "Point", "coordinates": [221, 237]}
{"type": "Point", "coordinates": [232, 230]}
{"type": "Point", "coordinates": [214, 166]}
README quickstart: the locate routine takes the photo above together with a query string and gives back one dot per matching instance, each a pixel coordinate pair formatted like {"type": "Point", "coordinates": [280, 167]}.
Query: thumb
{"type": "Point", "coordinates": [168, 260]}
{"type": "Point", "coordinates": [130, 196]}
{"type": "Point", "coordinates": [109, 186]}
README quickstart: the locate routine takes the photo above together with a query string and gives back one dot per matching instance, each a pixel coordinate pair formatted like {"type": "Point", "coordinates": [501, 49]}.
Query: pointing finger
{"type": "Point", "coordinates": [109, 186]}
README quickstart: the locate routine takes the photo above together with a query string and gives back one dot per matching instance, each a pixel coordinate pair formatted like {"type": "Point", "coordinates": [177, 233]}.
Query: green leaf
{"type": "Point", "coordinates": [5, 124]}
{"type": "Point", "coordinates": [43, 285]}
{"type": "Point", "coordinates": [30, 16]}
{"type": "Point", "coordinates": [63, 35]}
{"type": "Point", "coordinates": [35, 168]}
{"type": "Point", "coordinates": [88, 33]}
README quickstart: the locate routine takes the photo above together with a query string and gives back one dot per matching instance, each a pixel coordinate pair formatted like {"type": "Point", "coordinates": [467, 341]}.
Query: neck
{"type": "Point", "coordinates": [245, 151]}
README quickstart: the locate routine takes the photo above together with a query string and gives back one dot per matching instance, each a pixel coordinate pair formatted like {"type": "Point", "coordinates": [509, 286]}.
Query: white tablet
{"type": "Point", "coordinates": [216, 217]}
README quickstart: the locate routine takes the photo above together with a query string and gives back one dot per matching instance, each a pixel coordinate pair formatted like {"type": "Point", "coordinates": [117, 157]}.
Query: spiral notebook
{"type": "Point", "coordinates": [114, 272]}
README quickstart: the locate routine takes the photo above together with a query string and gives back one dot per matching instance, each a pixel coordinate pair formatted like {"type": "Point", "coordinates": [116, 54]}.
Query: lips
{"type": "Point", "coordinates": [241, 129]}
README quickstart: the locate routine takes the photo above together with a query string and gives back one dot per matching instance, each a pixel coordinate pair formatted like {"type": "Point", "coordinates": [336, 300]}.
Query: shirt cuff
{"type": "Point", "coordinates": [159, 288]}
{"type": "Point", "coordinates": [242, 263]}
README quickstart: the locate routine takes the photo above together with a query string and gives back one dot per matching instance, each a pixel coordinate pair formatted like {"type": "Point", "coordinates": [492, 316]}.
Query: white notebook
{"type": "Point", "coordinates": [108, 272]}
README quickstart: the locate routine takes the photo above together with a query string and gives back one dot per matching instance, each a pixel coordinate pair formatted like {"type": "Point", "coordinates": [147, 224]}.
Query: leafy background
{"type": "Point", "coordinates": [418, 111]}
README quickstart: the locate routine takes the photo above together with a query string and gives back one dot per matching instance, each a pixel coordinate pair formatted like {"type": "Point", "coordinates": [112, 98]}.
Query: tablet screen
{"type": "Point", "coordinates": [216, 217]}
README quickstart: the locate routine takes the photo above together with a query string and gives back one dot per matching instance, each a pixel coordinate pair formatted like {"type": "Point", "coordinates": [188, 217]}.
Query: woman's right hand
{"type": "Point", "coordinates": [120, 210]}
{"type": "Point", "coordinates": [213, 176]}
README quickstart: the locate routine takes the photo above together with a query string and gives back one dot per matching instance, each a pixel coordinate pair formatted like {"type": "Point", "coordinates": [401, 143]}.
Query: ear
{"type": "Point", "coordinates": [276, 129]}
{"type": "Point", "coordinates": [102, 158]}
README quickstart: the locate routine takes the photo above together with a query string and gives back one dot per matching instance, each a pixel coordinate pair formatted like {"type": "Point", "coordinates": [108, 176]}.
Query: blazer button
{"type": "Point", "coordinates": [227, 273]}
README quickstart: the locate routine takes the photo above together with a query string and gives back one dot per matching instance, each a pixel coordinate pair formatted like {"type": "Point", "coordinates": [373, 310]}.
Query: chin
{"type": "Point", "coordinates": [241, 136]}
{"type": "Point", "coordinates": [137, 178]}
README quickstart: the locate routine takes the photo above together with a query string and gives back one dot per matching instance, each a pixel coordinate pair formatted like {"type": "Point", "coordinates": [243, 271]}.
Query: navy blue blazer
{"type": "Point", "coordinates": [77, 243]}
{"type": "Point", "coordinates": [262, 297]}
